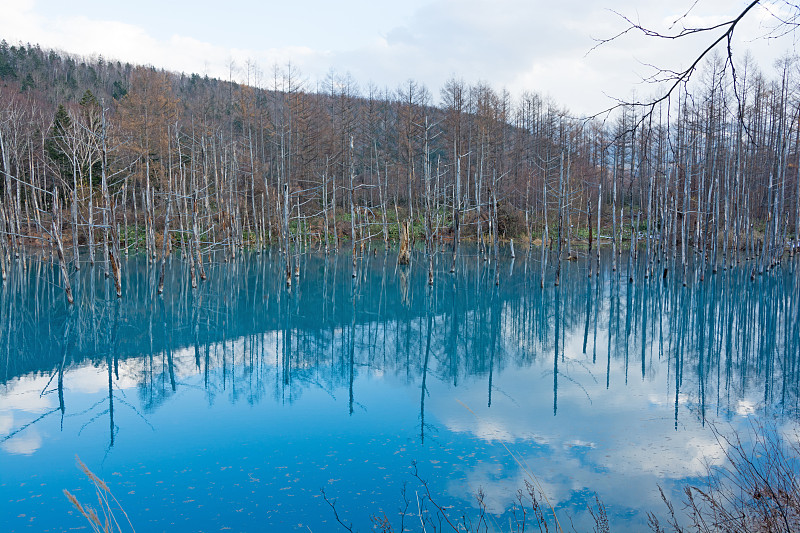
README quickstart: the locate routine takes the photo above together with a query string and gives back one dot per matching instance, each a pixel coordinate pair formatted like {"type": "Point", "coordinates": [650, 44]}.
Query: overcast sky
{"type": "Point", "coordinates": [536, 45]}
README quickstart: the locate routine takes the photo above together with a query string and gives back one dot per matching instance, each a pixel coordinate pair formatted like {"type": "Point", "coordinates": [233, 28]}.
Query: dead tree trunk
{"type": "Point", "coordinates": [381, 198]}
{"type": "Point", "coordinates": [91, 218]}
{"type": "Point", "coordinates": [353, 239]}
{"type": "Point", "coordinates": [599, 212]}
{"type": "Point", "coordinates": [456, 210]}
{"type": "Point", "coordinates": [12, 228]}
{"type": "Point", "coordinates": [428, 223]}
{"type": "Point", "coordinates": [589, 227]}
{"type": "Point", "coordinates": [56, 226]}
{"type": "Point", "coordinates": [614, 221]}
{"type": "Point", "coordinates": [165, 245]}
{"type": "Point", "coordinates": [198, 257]}
{"type": "Point", "coordinates": [109, 220]}
{"type": "Point", "coordinates": [495, 234]}
{"type": "Point", "coordinates": [560, 219]}
{"type": "Point", "coordinates": [75, 250]}
{"type": "Point", "coordinates": [545, 232]}
{"type": "Point", "coordinates": [325, 207]}
{"type": "Point", "coordinates": [3, 243]}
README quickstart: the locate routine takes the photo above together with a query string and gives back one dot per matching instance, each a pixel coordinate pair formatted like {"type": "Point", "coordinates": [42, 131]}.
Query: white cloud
{"type": "Point", "coordinates": [25, 394]}
{"type": "Point", "coordinates": [6, 423]}
{"type": "Point", "coordinates": [518, 44]}
{"type": "Point", "coordinates": [23, 444]}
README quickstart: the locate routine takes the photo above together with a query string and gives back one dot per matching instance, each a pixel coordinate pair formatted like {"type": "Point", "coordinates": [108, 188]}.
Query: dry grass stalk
{"type": "Point", "coordinates": [109, 522]}
{"type": "Point", "coordinates": [757, 490]}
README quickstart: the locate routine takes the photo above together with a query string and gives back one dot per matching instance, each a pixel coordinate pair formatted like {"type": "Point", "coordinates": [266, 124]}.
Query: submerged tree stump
{"type": "Point", "coordinates": [404, 257]}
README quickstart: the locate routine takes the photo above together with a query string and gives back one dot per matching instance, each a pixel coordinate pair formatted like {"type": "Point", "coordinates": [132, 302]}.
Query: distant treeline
{"type": "Point", "coordinates": [103, 154]}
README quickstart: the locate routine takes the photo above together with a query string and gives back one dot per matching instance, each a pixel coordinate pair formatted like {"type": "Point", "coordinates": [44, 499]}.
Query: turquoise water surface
{"type": "Point", "coordinates": [230, 406]}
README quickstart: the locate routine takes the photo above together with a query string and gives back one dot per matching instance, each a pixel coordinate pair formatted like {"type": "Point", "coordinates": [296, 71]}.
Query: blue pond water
{"type": "Point", "coordinates": [230, 406]}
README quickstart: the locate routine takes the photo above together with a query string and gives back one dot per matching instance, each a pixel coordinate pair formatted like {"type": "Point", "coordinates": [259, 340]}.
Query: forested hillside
{"type": "Point", "coordinates": [113, 156]}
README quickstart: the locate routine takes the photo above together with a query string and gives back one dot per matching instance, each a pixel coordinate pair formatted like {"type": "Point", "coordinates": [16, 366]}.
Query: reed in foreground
{"type": "Point", "coordinates": [102, 520]}
{"type": "Point", "coordinates": [756, 490]}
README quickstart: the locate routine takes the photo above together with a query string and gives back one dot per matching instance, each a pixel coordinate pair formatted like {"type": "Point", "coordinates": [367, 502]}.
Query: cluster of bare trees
{"type": "Point", "coordinates": [710, 177]}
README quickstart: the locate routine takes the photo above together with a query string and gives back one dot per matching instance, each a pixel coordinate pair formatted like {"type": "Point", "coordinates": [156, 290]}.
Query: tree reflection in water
{"type": "Point", "coordinates": [721, 349]}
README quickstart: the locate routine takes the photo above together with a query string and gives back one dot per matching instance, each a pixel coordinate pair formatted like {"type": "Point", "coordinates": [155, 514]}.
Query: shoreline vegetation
{"type": "Point", "coordinates": [114, 157]}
